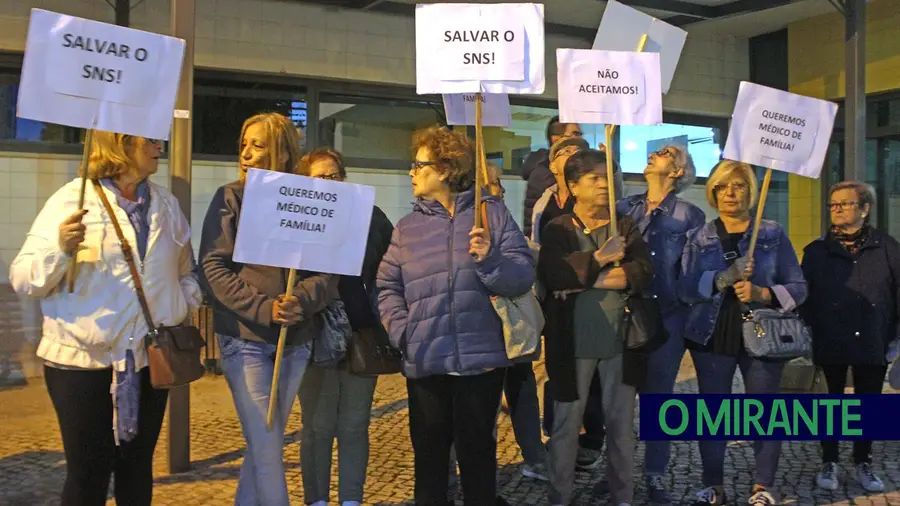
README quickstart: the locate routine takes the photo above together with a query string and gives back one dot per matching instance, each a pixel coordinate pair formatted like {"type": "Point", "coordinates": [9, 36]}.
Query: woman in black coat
{"type": "Point", "coordinates": [852, 310]}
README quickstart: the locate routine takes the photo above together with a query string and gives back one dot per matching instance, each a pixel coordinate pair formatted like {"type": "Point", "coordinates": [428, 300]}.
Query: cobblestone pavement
{"type": "Point", "coordinates": [32, 465]}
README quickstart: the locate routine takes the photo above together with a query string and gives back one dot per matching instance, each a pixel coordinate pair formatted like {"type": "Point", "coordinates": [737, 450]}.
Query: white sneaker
{"type": "Point", "coordinates": [829, 477]}
{"type": "Point", "coordinates": [868, 479]}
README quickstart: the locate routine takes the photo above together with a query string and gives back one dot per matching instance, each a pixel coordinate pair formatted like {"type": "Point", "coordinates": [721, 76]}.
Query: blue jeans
{"type": "Point", "coordinates": [714, 376]}
{"type": "Point", "coordinates": [248, 367]}
{"type": "Point", "coordinates": [520, 388]}
{"type": "Point", "coordinates": [662, 369]}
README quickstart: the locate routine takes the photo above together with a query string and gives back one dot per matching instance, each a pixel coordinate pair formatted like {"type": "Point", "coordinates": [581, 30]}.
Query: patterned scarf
{"type": "Point", "coordinates": [851, 242]}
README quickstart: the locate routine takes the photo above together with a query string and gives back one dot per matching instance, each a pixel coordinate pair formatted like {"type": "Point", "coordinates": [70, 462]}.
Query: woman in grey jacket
{"type": "Point", "coordinates": [250, 308]}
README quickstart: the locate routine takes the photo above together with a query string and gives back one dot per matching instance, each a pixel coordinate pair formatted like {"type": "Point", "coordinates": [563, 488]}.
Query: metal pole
{"type": "Point", "coordinates": [855, 102]}
{"type": "Point", "coordinates": [182, 26]}
{"type": "Point", "coordinates": [123, 12]}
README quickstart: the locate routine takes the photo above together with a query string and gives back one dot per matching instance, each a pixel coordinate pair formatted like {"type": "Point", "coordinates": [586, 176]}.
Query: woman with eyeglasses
{"type": "Point", "coordinates": [852, 311]}
{"type": "Point", "coordinates": [717, 279]}
{"type": "Point", "coordinates": [334, 403]}
{"type": "Point", "coordinates": [93, 339]}
{"type": "Point", "coordinates": [664, 220]}
{"type": "Point", "coordinates": [435, 282]}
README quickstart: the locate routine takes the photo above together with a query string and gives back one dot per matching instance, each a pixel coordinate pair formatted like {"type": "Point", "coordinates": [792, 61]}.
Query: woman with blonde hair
{"type": "Point", "coordinates": [718, 281]}
{"type": "Point", "coordinates": [93, 338]}
{"type": "Point", "coordinates": [250, 307]}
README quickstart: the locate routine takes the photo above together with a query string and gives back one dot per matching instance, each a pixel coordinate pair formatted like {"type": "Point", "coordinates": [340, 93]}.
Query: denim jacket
{"type": "Point", "coordinates": [775, 267]}
{"type": "Point", "coordinates": [665, 231]}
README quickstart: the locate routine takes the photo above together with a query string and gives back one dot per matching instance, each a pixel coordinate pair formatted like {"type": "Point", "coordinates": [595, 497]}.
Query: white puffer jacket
{"type": "Point", "coordinates": [95, 326]}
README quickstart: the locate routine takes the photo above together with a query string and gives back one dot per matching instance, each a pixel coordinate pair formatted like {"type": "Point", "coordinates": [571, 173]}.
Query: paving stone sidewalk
{"type": "Point", "coordinates": [32, 465]}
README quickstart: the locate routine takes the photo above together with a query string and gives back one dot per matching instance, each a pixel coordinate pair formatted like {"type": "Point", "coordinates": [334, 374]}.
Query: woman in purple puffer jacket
{"type": "Point", "coordinates": [435, 285]}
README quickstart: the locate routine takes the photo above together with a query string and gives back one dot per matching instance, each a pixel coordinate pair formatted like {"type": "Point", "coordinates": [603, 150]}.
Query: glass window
{"type": "Point", "coordinates": [509, 147]}
{"type": "Point", "coordinates": [637, 142]}
{"type": "Point", "coordinates": [375, 132]}
{"type": "Point", "coordinates": [220, 111]}
{"type": "Point", "coordinates": [20, 129]}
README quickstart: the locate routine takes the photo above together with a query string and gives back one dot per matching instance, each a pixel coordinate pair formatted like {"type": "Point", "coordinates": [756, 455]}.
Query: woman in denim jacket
{"type": "Point", "coordinates": [664, 220]}
{"type": "Point", "coordinates": [714, 268]}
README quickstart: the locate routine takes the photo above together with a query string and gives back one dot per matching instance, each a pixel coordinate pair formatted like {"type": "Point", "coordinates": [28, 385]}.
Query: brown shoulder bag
{"type": "Point", "coordinates": [173, 352]}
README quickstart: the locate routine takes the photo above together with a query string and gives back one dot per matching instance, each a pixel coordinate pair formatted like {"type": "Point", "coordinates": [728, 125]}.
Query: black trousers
{"type": "Point", "coordinates": [455, 409]}
{"type": "Point", "coordinates": [867, 379]}
{"type": "Point", "coordinates": [84, 409]}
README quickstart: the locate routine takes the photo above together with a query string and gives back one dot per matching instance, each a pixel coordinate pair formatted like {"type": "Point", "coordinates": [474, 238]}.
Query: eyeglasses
{"type": "Point", "coordinates": [665, 152]}
{"type": "Point", "coordinates": [416, 165]}
{"type": "Point", "coordinates": [577, 133]}
{"type": "Point", "coordinates": [843, 206]}
{"type": "Point", "coordinates": [331, 177]}
{"type": "Point", "coordinates": [734, 187]}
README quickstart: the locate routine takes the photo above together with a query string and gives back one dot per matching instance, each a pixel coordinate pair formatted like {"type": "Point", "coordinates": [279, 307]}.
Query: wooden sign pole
{"type": "Point", "coordinates": [279, 354]}
{"type": "Point", "coordinates": [610, 173]}
{"type": "Point", "coordinates": [479, 159]}
{"type": "Point", "coordinates": [85, 158]}
{"type": "Point", "coordinates": [761, 205]}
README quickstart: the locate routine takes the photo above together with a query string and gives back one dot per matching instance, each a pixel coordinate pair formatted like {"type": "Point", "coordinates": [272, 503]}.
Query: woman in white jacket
{"type": "Point", "coordinates": [93, 338]}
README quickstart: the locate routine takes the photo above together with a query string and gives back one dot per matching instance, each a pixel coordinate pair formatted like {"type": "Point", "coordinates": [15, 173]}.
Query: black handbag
{"type": "Point", "coordinates": [643, 324]}
{"type": "Point", "coordinates": [369, 352]}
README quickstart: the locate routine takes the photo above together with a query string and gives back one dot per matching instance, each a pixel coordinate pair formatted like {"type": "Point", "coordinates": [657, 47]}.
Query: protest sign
{"type": "Point", "coordinates": [622, 27]}
{"type": "Point", "coordinates": [608, 87]}
{"type": "Point", "coordinates": [779, 130]}
{"type": "Point", "coordinates": [459, 109]}
{"type": "Point", "coordinates": [88, 74]}
{"type": "Point", "coordinates": [479, 48]}
{"type": "Point", "coordinates": [303, 223]}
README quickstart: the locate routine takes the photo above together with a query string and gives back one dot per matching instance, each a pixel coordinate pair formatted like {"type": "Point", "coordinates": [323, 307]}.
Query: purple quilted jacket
{"type": "Point", "coordinates": [434, 299]}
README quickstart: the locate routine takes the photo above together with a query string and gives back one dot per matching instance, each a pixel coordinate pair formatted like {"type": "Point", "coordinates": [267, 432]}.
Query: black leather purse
{"type": "Point", "coordinates": [643, 324]}
{"type": "Point", "coordinates": [369, 351]}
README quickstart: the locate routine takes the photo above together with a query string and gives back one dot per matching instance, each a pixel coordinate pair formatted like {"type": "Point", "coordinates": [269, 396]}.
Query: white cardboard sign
{"type": "Point", "coordinates": [305, 223]}
{"type": "Point", "coordinates": [88, 74]}
{"type": "Point", "coordinates": [779, 130]}
{"type": "Point", "coordinates": [459, 109]}
{"type": "Point", "coordinates": [608, 87]}
{"type": "Point", "coordinates": [471, 48]}
{"type": "Point", "coordinates": [622, 27]}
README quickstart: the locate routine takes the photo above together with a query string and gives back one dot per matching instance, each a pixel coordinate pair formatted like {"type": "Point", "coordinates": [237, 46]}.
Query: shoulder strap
{"type": "Point", "coordinates": [129, 256]}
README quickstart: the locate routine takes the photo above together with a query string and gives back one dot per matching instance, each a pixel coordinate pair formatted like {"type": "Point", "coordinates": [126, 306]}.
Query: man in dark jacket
{"type": "Point", "coordinates": [536, 168]}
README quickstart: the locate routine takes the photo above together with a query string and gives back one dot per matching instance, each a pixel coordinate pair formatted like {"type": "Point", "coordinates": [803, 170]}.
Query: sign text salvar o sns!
{"type": "Point", "coordinates": [483, 58]}
{"type": "Point", "coordinates": [104, 47]}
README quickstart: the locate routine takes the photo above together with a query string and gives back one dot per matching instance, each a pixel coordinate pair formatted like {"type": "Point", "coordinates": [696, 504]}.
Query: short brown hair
{"type": "Point", "coordinates": [318, 154]}
{"type": "Point", "coordinates": [282, 137]}
{"type": "Point", "coordinates": [453, 154]}
{"type": "Point", "coordinates": [865, 194]}
{"type": "Point", "coordinates": [111, 154]}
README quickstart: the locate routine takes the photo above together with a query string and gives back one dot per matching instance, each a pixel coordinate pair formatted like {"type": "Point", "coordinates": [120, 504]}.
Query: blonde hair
{"type": "Point", "coordinates": [282, 137]}
{"type": "Point", "coordinates": [111, 154]}
{"type": "Point", "coordinates": [725, 170]}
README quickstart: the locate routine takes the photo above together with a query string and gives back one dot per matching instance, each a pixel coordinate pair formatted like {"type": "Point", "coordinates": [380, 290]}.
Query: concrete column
{"type": "Point", "coordinates": [855, 102]}
{"type": "Point", "coordinates": [182, 26]}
